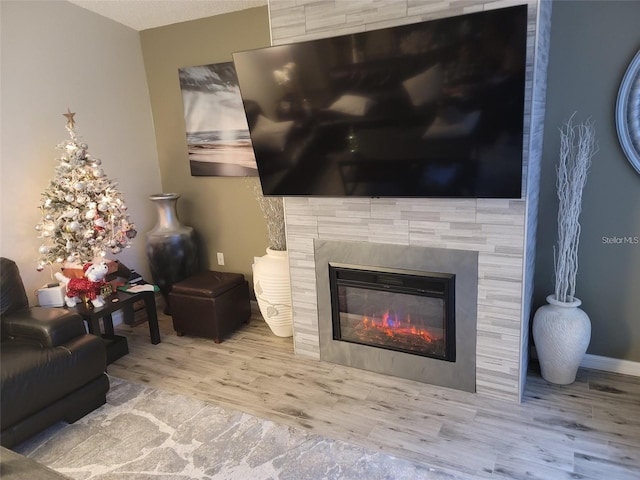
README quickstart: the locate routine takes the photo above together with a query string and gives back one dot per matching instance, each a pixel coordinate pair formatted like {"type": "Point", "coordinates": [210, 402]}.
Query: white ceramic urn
{"type": "Point", "coordinates": [561, 332]}
{"type": "Point", "coordinates": [272, 286]}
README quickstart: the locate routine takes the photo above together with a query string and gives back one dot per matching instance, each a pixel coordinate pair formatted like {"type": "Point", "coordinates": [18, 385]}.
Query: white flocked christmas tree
{"type": "Point", "coordinates": [83, 214]}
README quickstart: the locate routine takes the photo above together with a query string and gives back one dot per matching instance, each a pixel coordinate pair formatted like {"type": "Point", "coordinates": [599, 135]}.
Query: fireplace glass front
{"type": "Point", "coordinates": [402, 310]}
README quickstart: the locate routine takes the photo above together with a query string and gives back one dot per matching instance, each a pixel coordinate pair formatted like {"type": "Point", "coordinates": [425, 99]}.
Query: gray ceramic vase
{"type": "Point", "coordinates": [171, 247]}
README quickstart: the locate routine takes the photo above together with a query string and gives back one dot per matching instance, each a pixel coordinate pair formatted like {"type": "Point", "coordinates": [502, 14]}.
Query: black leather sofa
{"type": "Point", "coordinates": [51, 369]}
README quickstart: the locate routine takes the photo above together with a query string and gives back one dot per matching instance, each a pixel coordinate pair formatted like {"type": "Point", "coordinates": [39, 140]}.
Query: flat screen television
{"type": "Point", "coordinates": [434, 109]}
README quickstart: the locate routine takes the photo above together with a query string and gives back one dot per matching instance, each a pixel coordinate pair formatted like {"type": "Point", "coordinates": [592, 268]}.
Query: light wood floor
{"type": "Point", "coordinates": [588, 430]}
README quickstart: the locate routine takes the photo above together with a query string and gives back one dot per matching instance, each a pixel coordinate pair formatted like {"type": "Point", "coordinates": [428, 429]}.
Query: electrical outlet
{"type": "Point", "coordinates": [220, 258]}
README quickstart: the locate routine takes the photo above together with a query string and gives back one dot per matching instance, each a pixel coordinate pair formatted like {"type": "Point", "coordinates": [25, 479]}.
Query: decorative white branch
{"type": "Point", "coordinates": [272, 209]}
{"type": "Point", "coordinates": [577, 147]}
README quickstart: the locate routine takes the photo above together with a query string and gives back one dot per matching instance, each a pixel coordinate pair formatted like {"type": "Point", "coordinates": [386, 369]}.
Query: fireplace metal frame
{"type": "Point", "coordinates": [460, 374]}
{"type": "Point", "coordinates": [397, 280]}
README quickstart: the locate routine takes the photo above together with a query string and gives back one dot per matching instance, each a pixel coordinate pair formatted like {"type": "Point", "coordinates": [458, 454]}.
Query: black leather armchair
{"type": "Point", "coordinates": [51, 369]}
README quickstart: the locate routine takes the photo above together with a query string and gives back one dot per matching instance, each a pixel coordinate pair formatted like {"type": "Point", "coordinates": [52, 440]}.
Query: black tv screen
{"type": "Point", "coordinates": [433, 109]}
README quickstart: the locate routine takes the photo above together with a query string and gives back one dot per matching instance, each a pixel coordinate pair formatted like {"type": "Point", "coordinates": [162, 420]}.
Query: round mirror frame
{"type": "Point", "coordinates": [628, 113]}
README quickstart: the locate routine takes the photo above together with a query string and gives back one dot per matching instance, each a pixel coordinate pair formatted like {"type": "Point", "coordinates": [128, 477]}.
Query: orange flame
{"type": "Point", "coordinates": [392, 327]}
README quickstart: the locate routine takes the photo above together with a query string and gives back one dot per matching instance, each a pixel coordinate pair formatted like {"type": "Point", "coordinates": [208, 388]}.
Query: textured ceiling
{"type": "Point", "coordinates": [144, 14]}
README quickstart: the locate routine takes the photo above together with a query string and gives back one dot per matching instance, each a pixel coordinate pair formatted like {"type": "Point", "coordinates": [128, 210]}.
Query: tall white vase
{"type": "Point", "coordinates": [561, 332]}
{"type": "Point", "coordinates": [272, 286]}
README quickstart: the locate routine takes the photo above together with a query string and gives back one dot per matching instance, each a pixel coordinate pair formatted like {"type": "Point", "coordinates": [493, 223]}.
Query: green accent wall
{"type": "Point", "coordinates": [592, 43]}
{"type": "Point", "coordinates": [222, 210]}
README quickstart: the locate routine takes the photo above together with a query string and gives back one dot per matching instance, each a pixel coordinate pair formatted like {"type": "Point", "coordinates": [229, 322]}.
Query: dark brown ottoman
{"type": "Point", "coordinates": [210, 304]}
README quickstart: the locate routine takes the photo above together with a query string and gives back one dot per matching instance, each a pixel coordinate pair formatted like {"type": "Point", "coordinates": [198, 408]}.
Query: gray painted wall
{"type": "Point", "coordinates": [56, 55]}
{"type": "Point", "coordinates": [592, 43]}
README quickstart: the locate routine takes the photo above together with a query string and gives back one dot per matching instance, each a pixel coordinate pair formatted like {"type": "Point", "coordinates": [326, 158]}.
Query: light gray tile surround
{"type": "Point", "coordinates": [501, 231]}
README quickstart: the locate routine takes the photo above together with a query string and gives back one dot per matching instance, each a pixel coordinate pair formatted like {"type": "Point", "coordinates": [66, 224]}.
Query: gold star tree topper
{"type": "Point", "coordinates": [71, 123]}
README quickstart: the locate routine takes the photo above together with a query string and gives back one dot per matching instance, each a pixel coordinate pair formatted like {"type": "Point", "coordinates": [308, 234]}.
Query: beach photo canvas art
{"type": "Point", "coordinates": [217, 131]}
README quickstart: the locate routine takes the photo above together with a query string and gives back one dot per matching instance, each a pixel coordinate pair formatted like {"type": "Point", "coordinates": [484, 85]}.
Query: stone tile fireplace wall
{"type": "Point", "coordinates": [501, 231]}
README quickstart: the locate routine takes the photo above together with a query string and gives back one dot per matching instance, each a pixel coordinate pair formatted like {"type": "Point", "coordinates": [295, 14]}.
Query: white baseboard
{"type": "Point", "coordinates": [625, 367]}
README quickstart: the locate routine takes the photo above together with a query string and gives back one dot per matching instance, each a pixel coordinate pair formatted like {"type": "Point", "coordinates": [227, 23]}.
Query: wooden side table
{"type": "Point", "coordinates": [116, 344]}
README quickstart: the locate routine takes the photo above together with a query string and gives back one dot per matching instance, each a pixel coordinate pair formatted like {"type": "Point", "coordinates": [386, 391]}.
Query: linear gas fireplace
{"type": "Point", "coordinates": [395, 309]}
{"type": "Point", "coordinates": [399, 310]}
